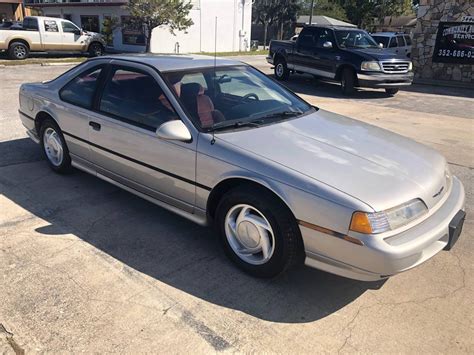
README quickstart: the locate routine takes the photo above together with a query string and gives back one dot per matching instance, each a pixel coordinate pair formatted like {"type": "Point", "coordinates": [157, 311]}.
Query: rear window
{"type": "Point", "coordinates": [30, 24]}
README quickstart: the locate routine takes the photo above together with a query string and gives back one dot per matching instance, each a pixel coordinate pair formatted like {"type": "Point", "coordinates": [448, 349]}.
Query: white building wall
{"type": "Point", "coordinates": [234, 19]}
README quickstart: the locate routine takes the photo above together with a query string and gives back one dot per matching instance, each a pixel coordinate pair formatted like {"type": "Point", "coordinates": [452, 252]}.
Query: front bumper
{"type": "Point", "coordinates": [385, 254]}
{"type": "Point", "coordinates": [380, 80]}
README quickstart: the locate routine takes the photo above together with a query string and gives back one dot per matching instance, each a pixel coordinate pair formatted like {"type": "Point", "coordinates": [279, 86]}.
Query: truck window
{"type": "Point", "coordinates": [393, 42]}
{"type": "Point", "coordinates": [306, 37]}
{"type": "Point", "coordinates": [30, 24]}
{"type": "Point", "coordinates": [68, 27]}
{"type": "Point", "coordinates": [407, 40]}
{"type": "Point", "coordinates": [50, 26]}
{"type": "Point", "coordinates": [400, 41]}
{"type": "Point", "coordinates": [322, 36]}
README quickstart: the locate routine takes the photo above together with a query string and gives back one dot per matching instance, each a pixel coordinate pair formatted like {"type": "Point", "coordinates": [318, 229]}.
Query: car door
{"type": "Point", "coordinates": [51, 36]}
{"type": "Point", "coordinates": [402, 48]}
{"type": "Point", "coordinates": [392, 45]}
{"type": "Point", "coordinates": [72, 38]}
{"type": "Point", "coordinates": [324, 57]}
{"type": "Point", "coordinates": [132, 104]}
{"type": "Point", "coordinates": [74, 109]}
{"type": "Point", "coordinates": [408, 45]}
{"type": "Point", "coordinates": [304, 50]}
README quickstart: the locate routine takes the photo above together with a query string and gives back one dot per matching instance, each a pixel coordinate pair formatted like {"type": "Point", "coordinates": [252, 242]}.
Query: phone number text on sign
{"type": "Point", "coordinates": [455, 53]}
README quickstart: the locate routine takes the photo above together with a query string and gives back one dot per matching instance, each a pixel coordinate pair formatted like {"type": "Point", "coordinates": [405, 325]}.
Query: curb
{"type": "Point", "coordinates": [53, 64]}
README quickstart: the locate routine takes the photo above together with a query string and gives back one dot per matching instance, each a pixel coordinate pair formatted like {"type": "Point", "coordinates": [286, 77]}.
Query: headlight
{"type": "Point", "coordinates": [410, 66]}
{"type": "Point", "coordinates": [372, 66]}
{"type": "Point", "coordinates": [379, 222]}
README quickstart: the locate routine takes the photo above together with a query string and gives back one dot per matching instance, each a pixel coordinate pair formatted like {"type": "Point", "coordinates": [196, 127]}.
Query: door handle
{"type": "Point", "coordinates": [95, 126]}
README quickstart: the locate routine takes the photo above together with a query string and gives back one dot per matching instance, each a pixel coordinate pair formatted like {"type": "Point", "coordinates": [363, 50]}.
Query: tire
{"type": "Point", "coordinates": [348, 81]}
{"type": "Point", "coordinates": [282, 72]}
{"type": "Point", "coordinates": [96, 49]}
{"type": "Point", "coordinates": [285, 246]}
{"type": "Point", "coordinates": [18, 51]}
{"type": "Point", "coordinates": [391, 91]}
{"type": "Point", "coordinates": [55, 149]}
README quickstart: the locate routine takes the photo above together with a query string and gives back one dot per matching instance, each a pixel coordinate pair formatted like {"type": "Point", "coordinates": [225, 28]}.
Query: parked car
{"type": "Point", "coordinates": [49, 34]}
{"type": "Point", "coordinates": [343, 54]}
{"type": "Point", "coordinates": [218, 142]}
{"type": "Point", "coordinates": [394, 42]}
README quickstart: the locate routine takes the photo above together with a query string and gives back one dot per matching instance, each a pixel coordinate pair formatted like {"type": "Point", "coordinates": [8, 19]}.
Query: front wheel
{"type": "Point", "coordinates": [258, 232]}
{"type": "Point", "coordinates": [391, 91]}
{"type": "Point", "coordinates": [96, 49]}
{"type": "Point", "coordinates": [54, 147]}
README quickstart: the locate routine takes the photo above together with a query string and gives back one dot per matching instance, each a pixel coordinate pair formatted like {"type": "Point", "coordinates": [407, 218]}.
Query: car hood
{"type": "Point", "coordinates": [378, 54]}
{"type": "Point", "coordinates": [378, 167]}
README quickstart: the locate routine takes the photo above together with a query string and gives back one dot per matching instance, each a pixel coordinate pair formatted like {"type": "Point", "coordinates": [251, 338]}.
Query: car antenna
{"type": "Point", "coordinates": [213, 140]}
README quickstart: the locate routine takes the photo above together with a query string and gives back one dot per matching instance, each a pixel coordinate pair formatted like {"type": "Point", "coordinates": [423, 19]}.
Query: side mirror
{"type": "Point", "coordinates": [327, 45]}
{"type": "Point", "coordinates": [381, 45]}
{"type": "Point", "coordinates": [174, 131]}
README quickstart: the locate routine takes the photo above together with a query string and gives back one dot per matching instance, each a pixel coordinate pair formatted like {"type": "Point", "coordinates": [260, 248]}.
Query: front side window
{"type": "Point", "coordinates": [400, 41]}
{"type": "Point", "coordinates": [354, 39]}
{"type": "Point", "coordinates": [68, 27]}
{"type": "Point", "coordinates": [322, 37]}
{"type": "Point", "coordinates": [393, 42]}
{"type": "Point", "coordinates": [80, 91]}
{"type": "Point", "coordinates": [407, 40]}
{"type": "Point", "coordinates": [135, 97]}
{"type": "Point", "coordinates": [234, 94]}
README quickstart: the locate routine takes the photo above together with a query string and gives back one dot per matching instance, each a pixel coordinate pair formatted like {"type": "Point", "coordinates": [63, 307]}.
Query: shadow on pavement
{"type": "Point", "coordinates": [163, 245]}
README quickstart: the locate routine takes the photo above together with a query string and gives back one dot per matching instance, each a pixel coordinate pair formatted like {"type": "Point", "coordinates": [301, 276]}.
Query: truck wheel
{"type": "Point", "coordinates": [347, 81]}
{"type": "Point", "coordinates": [18, 50]}
{"type": "Point", "coordinates": [96, 49]}
{"type": "Point", "coordinates": [391, 91]}
{"type": "Point", "coordinates": [281, 70]}
{"type": "Point", "coordinates": [258, 232]}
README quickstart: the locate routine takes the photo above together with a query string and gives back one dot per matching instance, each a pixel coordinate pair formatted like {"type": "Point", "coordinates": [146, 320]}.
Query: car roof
{"type": "Point", "coordinates": [387, 34]}
{"type": "Point", "coordinates": [47, 18]}
{"type": "Point", "coordinates": [173, 62]}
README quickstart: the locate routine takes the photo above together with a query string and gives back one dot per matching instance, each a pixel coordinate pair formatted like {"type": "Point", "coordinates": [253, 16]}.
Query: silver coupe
{"type": "Point", "coordinates": [220, 143]}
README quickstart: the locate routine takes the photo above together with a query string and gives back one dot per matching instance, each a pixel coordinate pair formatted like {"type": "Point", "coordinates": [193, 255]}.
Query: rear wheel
{"type": "Point", "coordinates": [54, 147]}
{"type": "Point", "coordinates": [348, 81]}
{"type": "Point", "coordinates": [391, 91]}
{"type": "Point", "coordinates": [258, 232]}
{"type": "Point", "coordinates": [281, 70]}
{"type": "Point", "coordinates": [18, 51]}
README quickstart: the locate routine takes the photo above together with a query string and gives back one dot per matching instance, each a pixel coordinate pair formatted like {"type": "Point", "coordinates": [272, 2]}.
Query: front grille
{"type": "Point", "coordinates": [395, 67]}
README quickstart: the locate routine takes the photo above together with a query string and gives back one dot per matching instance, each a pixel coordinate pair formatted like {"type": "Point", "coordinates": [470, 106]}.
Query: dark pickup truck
{"type": "Point", "coordinates": [344, 54]}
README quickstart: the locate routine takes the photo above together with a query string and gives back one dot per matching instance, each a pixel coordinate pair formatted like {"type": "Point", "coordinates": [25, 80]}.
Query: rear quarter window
{"type": "Point", "coordinates": [80, 90]}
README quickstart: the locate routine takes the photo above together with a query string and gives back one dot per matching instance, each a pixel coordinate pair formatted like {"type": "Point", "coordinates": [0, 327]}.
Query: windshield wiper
{"type": "Point", "coordinates": [281, 114]}
{"type": "Point", "coordinates": [235, 124]}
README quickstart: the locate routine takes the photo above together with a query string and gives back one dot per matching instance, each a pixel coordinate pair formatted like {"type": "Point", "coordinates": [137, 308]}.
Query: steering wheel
{"type": "Point", "coordinates": [249, 96]}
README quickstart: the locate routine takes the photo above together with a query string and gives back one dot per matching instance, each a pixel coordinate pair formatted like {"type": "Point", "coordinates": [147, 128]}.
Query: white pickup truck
{"type": "Point", "coordinates": [49, 34]}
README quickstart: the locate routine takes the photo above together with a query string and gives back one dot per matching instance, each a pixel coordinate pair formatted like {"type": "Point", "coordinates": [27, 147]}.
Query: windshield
{"type": "Point", "coordinates": [381, 39]}
{"type": "Point", "coordinates": [354, 39]}
{"type": "Point", "coordinates": [222, 96]}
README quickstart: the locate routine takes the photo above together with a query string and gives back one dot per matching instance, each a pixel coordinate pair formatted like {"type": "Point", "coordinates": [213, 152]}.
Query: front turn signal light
{"type": "Point", "coordinates": [360, 223]}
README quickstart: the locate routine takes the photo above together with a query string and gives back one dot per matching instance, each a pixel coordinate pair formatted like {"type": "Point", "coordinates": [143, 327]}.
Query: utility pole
{"type": "Point", "coordinates": [311, 13]}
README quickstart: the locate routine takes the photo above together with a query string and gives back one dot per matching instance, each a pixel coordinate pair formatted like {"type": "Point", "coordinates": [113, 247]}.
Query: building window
{"type": "Point", "coordinates": [132, 33]}
{"type": "Point", "coordinates": [90, 23]}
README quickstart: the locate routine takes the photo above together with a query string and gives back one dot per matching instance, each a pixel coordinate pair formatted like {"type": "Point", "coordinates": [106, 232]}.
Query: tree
{"type": "Point", "coordinates": [149, 14]}
{"type": "Point", "coordinates": [328, 8]}
{"type": "Point", "coordinates": [108, 27]}
{"type": "Point", "coordinates": [265, 12]}
{"type": "Point", "coordinates": [287, 14]}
